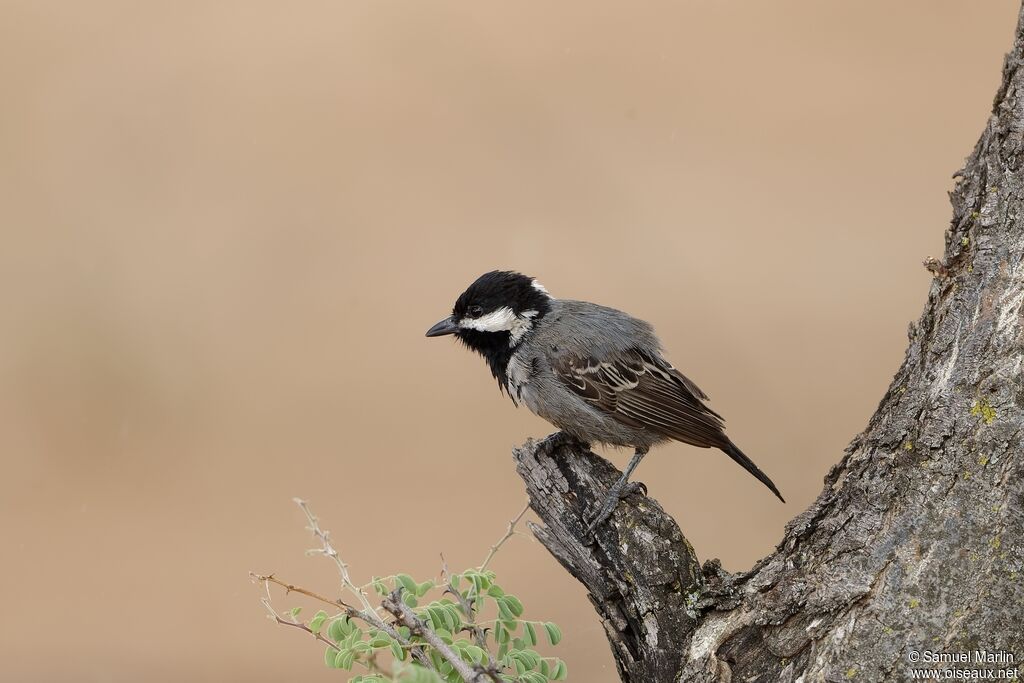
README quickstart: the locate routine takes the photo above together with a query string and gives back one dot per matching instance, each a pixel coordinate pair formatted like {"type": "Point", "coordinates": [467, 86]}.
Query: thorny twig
{"type": "Point", "coordinates": [371, 662]}
{"type": "Point", "coordinates": [328, 550]}
{"type": "Point", "coordinates": [289, 588]}
{"type": "Point", "coordinates": [393, 604]}
{"type": "Point", "coordinates": [368, 614]}
{"type": "Point", "coordinates": [296, 624]}
{"type": "Point", "coordinates": [407, 617]}
{"type": "Point", "coordinates": [479, 634]}
{"type": "Point", "coordinates": [370, 617]}
{"type": "Point", "coordinates": [508, 534]}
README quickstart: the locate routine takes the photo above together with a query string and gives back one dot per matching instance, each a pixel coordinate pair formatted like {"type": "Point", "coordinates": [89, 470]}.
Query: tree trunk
{"type": "Point", "coordinates": [913, 547]}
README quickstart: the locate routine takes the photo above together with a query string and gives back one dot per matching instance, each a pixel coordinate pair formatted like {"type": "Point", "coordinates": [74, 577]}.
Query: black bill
{"type": "Point", "coordinates": [446, 326]}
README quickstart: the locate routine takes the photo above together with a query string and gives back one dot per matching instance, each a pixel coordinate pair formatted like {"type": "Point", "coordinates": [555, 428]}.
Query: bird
{"type": "Point", "coordinates": [595, 373]}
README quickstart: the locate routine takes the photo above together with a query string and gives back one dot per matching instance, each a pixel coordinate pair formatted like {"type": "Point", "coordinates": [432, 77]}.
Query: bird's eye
{"type": "Point", "coordinates": [475, 311]}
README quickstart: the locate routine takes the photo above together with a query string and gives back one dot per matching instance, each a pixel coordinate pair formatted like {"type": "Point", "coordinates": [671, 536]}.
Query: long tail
{"type": "Point", "coordinates": [746, 463]}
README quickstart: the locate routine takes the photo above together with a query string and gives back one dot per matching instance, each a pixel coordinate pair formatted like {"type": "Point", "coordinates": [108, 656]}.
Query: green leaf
{"type": "Point", "coordinates": [424, 588]}
{"type": "Point", "coordinates": [514, 604]}
{"type": "Point", "coordinates": [530, 658]}
{"type": "Point", "coordinates": [504, 611]}
{"type": "Point", "coordinates": [352, 638]}
{"type": "Point", "coordinates": [317, 621]}
{"type": "Point", "coordinates": [529, 634]}
{"type": "Point", "coordinates": [295, 611]}
{"type": "Point", "coordinates": [407, 583]}
{"type": "Point", "coordinates": [554, 633]}
{"type": "Point", "coordinates": [495, 591]}
{"type": "Point", "coordinates": [339, 628]}
{"type": "Point", "coordinates": [414, 673]}
{"type": "Point", "coordinates": [397, 651]}
{"type": "Point", "coordinates": [329, 657]}
{"type": "Point", "coordinates": [561, 672]}
{"type": "Point", "coordinates": [345, 659]}
{"type": "Point", "coordinates": [476, 654]}
{"type": "Point", "coordinates": [409, 599]}
{"type": "Point", "coordinates": [452, 618]}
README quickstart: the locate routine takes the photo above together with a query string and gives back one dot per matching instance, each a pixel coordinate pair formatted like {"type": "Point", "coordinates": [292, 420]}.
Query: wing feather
{"type": "Point", "coordinates": [640, 389]}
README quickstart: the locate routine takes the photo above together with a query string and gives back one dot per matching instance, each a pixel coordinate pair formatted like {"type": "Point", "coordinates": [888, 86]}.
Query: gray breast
{"type": "Point", "coordinates": [581, 329]}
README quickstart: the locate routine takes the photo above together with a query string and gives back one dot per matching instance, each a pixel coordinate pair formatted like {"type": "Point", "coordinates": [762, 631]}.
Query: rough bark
{"type": "Point", "coordinates": [915, 542]}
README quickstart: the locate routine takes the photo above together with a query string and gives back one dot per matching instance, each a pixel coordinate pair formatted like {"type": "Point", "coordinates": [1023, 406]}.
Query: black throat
{"type": "Point", "coordinates": [495, 348]}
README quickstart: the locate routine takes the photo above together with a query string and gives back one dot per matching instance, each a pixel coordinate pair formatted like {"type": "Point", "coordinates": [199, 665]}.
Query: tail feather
{"type": "Point", "coordinates": [746, 463]}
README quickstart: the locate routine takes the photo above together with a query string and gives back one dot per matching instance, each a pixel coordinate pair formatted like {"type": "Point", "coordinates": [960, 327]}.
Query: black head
{"type": "Point", "coordinates": [494, 315]}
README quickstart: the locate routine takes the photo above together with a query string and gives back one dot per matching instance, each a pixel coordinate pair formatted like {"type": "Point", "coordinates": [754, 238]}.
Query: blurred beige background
{"type": "Point", "coordinates": [226, 226]}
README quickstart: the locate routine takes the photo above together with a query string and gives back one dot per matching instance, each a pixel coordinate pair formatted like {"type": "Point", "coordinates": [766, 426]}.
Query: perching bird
{"type": "Point", "coordinates": [594, 372]}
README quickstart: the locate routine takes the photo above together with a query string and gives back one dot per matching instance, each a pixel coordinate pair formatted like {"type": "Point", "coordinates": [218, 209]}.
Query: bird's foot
{"type": "Point", "coordinates": [553, 442]}
{"type": "Point", "coordinates": [616, 493]}
{"type": "Point", "coordinates": [634, 487]}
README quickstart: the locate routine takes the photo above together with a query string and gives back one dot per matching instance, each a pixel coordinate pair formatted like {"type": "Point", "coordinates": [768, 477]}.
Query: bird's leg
{"type": "Point", "coordinates": [619, 490]}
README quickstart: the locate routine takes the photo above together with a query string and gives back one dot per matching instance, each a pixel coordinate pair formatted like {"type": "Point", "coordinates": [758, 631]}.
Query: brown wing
{"type": "Point", "coordinates": [641, 390]}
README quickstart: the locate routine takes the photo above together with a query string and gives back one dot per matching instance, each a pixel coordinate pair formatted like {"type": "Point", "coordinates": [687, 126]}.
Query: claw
{"type": "Point", "coordinates": [552, 443]}
{"type": "Point", "coordinates": [634, 487]}
{"type": "Point", "coordinates": [601, 517]}
{"type": "Point", "coordinates": [611, 501]}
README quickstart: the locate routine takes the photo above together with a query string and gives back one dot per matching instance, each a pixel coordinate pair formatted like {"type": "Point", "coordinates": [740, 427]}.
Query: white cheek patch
{"type": "Point", "coordinates": [540, 288]}
{"type": "Point", "coordinates": [502, 320]}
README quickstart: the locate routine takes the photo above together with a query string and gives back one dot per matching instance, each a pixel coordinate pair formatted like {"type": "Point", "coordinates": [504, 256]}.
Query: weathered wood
{"type": "Point", "coordinates": [915, 543]}
{"type": "Point", "coordinates": [641, 573]}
